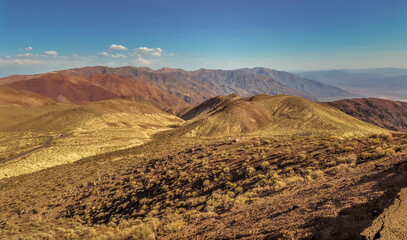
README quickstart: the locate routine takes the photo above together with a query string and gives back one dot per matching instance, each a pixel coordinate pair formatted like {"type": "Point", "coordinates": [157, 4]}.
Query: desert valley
{"type": "Point", "coordinates": [135, 153]}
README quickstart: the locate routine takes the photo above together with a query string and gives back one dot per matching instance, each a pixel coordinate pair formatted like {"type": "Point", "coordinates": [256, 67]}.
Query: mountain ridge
{"type": "Point", "coordinates": [194, 87]}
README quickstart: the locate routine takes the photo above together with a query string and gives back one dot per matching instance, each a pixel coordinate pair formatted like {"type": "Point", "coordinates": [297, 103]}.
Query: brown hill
{"type": "Point", "coordinates": [380, 112]}
{"type": "Point", "coordinates": [65, 88]}
{"type": "Point", "coordinates": [16, 97]}
{"type": "Point", "coordinates": [79, 90]}
{"type": "Point", "coordinates": [264, 115]}
{"type": "Point", "coordinates": [136, 90]}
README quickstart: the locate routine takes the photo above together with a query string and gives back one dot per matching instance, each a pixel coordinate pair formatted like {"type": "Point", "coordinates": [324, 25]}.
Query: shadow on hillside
{"type": "Point", "coordinates": [351, 222]}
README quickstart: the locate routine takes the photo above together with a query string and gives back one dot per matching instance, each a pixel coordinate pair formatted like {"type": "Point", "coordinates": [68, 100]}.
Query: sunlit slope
{"type": "Point", "coordinates": [264, 115]}
{"type": "Point", "coordinates": [75, 132]}
{"type": "Point", "coordinates": [16, 97]}
{"type": "Point", "coordinates": [99, 115]}
{"type": "Point", "coordinates": [18, 106]}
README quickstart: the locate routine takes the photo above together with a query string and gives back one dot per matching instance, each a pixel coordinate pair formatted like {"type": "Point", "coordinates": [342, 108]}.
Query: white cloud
{"type": "Point", "coordinates": [28, 62]}
{"type": "Point", "coordinates": [50, 53]}
{"type": "Point", "coordinates": [143, 61]}
{"type": "Point", "coordinates": [104, 54]}
{"type": "Point", "coordinates": [25, 55]}
{"type": "Point", "coordinates": [115, 47]}
{"type": "Point", "coordinates": [145, 51]}
{"type": "Point", "coordinates": [18, 62]}
{"type": "Point", "coordinates": [118, 55]}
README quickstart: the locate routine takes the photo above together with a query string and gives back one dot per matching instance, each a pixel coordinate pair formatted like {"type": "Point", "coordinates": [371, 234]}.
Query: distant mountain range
{"type": "Point", "coordinates": [178, 91]}
{"type": "Point", "coordinates": [169, 88]}
{"type": "Point", "coordinates": [377, 82]}
{"type": "Point", "coordinates": [317, 89]}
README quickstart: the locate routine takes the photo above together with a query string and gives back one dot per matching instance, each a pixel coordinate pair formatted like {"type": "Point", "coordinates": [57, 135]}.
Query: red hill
{"type": "Point", "coordinates": [380, 112]}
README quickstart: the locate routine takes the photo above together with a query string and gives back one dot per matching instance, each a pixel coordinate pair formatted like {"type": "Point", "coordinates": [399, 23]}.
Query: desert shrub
{"type": "Point", "coordinates": [312, 175]}
{"type": "Point", "coordinates": [265, 165]}
{"type": "Point", "coordinates": [279, 185]}
{"type": "Point", "coordinates": [240, 199]}
{"type": "Point", "coordinates": [273, 175]}
{"type": "Point", "coordinates": [141, 231]}
{"type": "Point", "coordinates": [348, 148]}
{"type": "Point", "coordinates": [43, 236]}
{"type": "Point", "coordinates": [302, 157]}
{"type": "Point", "coordinates": [331, 163]}
{"type": "Point", "coordinates": [385, 137]}
{"type": "Point", "coordinates": [172, 222]}
{"type": "Point", "coordinates": [390, 152]}
{"type": "Point", "coordinates": [379, 152]}
{"type": "Point", "coordinates": [206, 184]}
{"type": "Point", "coordinates": [365, 155]}
{"type": "Point", "coordinates": [293, 180]}
{"type": "Point", "coordinates": [231, 185]}
{"type": "Point", "coordinates": [250, 171]}
{"type": "Point", "coordinates": [335, 170]}
{"type": "Point", "coordinates": [350, 159]}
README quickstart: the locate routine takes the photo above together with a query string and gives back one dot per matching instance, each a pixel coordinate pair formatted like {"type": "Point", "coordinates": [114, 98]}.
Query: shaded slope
{"type": "Point", "coordinates": [274, 115]}
{"type": "Point", "coordinates": [208, 107]}
{"type": "Point", "coordinates": [380, 112]}
{"type": "Point", "coordinates": [316, 89]}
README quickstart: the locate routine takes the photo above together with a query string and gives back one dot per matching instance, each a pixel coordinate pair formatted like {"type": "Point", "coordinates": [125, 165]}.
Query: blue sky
{"type": "Point", "coordinates": [38, 36]}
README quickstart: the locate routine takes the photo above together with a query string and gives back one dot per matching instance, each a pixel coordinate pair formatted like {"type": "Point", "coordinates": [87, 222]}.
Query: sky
{"type": "Point", "coordinates": [45, 35]}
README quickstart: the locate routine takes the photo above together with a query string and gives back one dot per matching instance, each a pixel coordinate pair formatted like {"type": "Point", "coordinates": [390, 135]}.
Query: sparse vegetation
{"type": "Point", "coordinates": [172, 186]}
